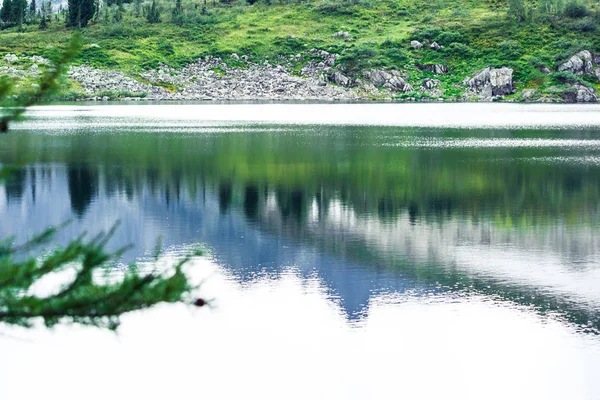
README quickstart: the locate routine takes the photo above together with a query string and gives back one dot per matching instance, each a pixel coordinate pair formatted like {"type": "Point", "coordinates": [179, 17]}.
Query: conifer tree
{"type": "Point", "coordinates": [43, 23]}
{"type": "Point", "coordinates": [80, 12]}
{"type": "Point", "coordinates": [5, 12]}
{"type": "Point", "coordinates": [18, 10]}
{"type": "Point", "coordinates": [153, 14]}
{"type": "Point", "coordinates": [137, 7]}
{"type": "Point", "coordinates": [32, 10]}
{"type": "Point", "coordinates": [178, 13]}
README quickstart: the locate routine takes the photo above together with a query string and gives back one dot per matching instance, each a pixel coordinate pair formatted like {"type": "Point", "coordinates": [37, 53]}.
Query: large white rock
{"type": "Point", "coordinates": [11, 58]}
{"type": "Point", "coordinates": [416, 44]}
{"type": "Point", "coordinates": [391, 80]}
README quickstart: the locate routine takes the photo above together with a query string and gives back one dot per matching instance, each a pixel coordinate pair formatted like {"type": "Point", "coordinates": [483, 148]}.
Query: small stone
{"type": "Point", "coordinates": [415, 44]}
{"type": "Point", "coordinates": [341, 34]}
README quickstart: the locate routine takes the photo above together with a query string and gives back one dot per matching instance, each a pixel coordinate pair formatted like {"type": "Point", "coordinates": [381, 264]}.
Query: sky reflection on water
{"type": "Point", "coordinates": [464, 263]}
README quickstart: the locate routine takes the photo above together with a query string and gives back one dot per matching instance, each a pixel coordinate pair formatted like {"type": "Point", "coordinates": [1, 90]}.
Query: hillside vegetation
{"type": "Point", "coordinates": [525, 36]}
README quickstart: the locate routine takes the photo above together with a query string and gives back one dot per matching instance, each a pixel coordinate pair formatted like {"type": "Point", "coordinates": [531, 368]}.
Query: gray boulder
{"type": "Point", "coordinates": [40, 60]}
{"type": "Point", "coordinates": [544, 70]}
{"type": "Point", "coordinates": [329, 59]}
{"type": "Point", "coordinates": [430, 84]}
{"type": "Point", "coordinates": [398, 84]}
{"type": "Point", "coordinates": [577, 93]}
{"type": "Point", "coordinates": [585, 94]}
{"type": "Point", "coordinates": [388, 80]}
{"type": "Point", "coordinates": [416, 44]}
{"type": "Point", "coordinates": [11, 58]}
{"type": "Point", "coordinates": [527, 94]}
{"type": "Point", "coordinates": [435, 46]}
{"type": "Point", "coordinates": [341, 34]}
{"type": "Point", "coordinates": [435, 68]}
{"type": "Point", "coordinates": [490, 83]}
{"type": "Point", "coordinates": [339, 78]}
{"type": "Point", "coordinates": [578, 64]}
{"type": "Point", "coordinates": [377, 77]}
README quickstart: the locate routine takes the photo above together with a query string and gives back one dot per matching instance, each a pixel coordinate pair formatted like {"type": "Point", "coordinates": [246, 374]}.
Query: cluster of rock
{"type": "Point", "coordinates": [100, 83]}
{"type": "Point", "coordinates": [579, 64]}
{"type": "Point", "coordinates": [15, 71]}
{"type": "Point", "coordinates": [211, 78]}
{"type": "Point", "coordinates": [582, 63]}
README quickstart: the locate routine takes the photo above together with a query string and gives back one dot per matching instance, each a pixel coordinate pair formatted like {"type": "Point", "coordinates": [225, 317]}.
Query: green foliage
{"type": "Point", "coordinates": [449, 37]}
{"type": "Point", "coordinates": [568, 77]}
{"type": "Point", "coordinates": [85, 299]}
{"type": "Point", "coordinates": [510, 49]}
{"type": "Point", "coordinates": [517, 9]}
{"type": "Point", "coordinates": [120, 94]}
{"type": "Point", "coordinates": [430, 33]}
{"type": "Point", "coordinates": [586, 24]}
{"type": "Point", "coordinates": [165, 47]}
{"type": "Point", "coordinates": [332, 7]}
{"type": "Point", "coordinates": [460, 49]}
{"type": "Point", "coordinates": [359, 57]}
{"type": "Point", "coordinates": [576, 10]}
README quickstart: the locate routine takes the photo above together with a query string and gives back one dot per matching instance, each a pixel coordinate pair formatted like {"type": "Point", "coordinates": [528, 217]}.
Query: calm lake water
{"type": "Point", "coordinates": [356, 251]}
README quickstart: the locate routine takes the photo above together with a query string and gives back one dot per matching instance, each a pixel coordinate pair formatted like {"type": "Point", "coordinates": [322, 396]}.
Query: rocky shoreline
{"type": "Point", "coordinates": [315, 75]}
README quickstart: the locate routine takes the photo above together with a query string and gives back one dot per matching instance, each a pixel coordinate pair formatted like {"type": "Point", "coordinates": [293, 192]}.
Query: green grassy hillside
{"type": "Point", "coordinates": [475, 34]}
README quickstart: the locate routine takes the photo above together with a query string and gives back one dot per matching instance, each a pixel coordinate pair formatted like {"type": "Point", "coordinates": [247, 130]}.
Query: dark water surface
{"type": "Point", "coordinates": [350, 261]}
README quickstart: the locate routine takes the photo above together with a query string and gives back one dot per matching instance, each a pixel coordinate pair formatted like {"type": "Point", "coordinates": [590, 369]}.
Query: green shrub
{"type": "Point", "coordinates": [460, 49]}
{"type": "Point", "coordinates": [397, 56]}
{"type": "Point", "coordinates": [510, 49]}
{"type": "Point", "coordinates": [290, 44]}
{"type": "Point", "coordinates": [429, 33]}
{"type": "Point", "coordinates": [358, 57]}
{"type": "Point", "coordinates": [120, 94]}
{"type": "Point", "coordinates": [446, 38]}
{"type": "Point", "coordinates": [576, 10]}
{"type": "Point", "coordinates": [563, 77]}
{"type": "Point", "coordinates": [587, 24]}
{"type": "Point", "coordinates": [96, 57]}
{"type": "Point", "coordinates": [334, 7]}
{"type": "Point", "coordinates": [165, 47]}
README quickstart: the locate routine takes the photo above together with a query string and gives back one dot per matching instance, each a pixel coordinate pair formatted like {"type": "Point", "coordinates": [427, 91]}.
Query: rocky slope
{"type": "Point", "coordinates": [315, 75]}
